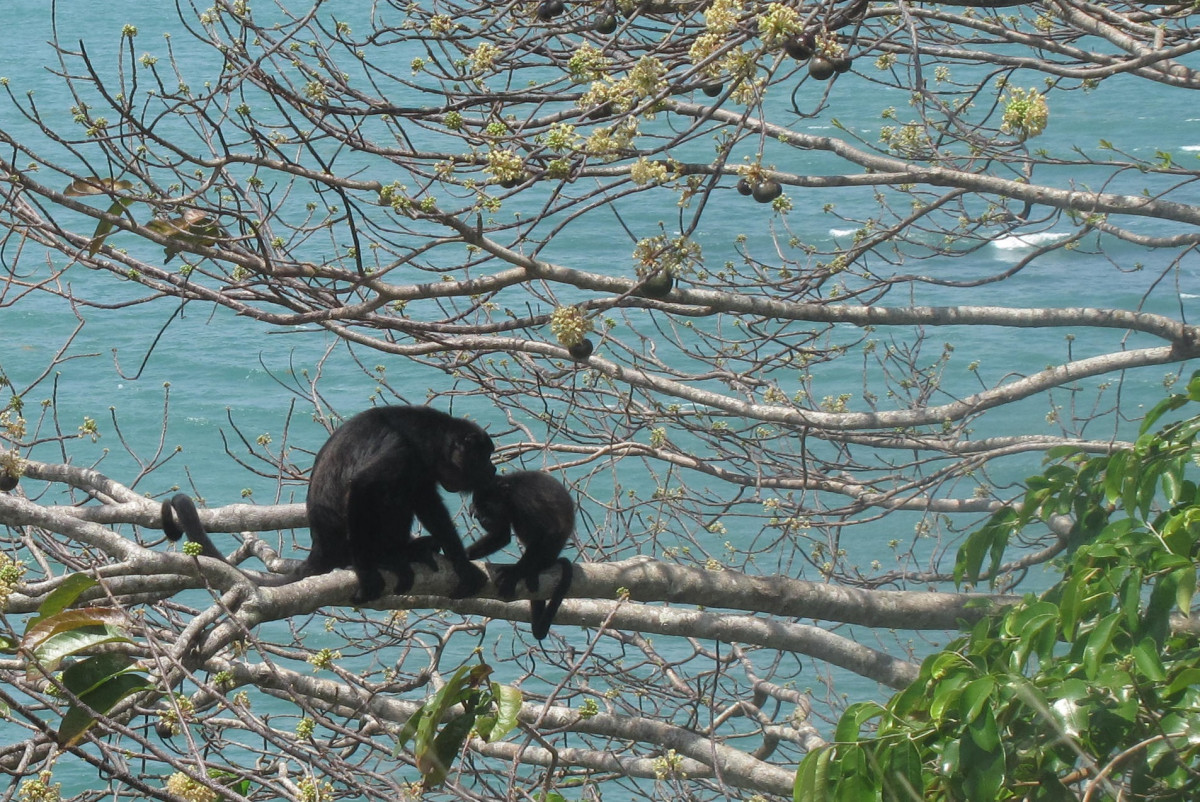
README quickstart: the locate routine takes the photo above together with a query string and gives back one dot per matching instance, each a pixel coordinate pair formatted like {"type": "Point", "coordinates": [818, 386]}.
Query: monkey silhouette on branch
{"type": "Point", "coordinates": [378, 472]}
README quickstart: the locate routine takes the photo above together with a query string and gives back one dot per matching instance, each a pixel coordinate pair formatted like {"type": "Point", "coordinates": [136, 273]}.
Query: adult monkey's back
{"type": "Point", "coordinates": [377, 472]}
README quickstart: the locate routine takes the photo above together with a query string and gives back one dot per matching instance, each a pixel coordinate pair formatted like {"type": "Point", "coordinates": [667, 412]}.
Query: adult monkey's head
{"type": "Point", "coordinates": [467, 457]}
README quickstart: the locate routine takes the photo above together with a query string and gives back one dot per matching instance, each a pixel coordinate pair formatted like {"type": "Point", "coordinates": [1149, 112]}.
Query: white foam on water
{"type": "Point", "coordinates": [1016, 241]}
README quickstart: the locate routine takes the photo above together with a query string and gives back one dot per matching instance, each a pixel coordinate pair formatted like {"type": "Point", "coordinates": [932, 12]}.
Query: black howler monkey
{"type": "Point", "coordinates": [375, 473]}
{"type": "Point", "coordinates": [541, 512]}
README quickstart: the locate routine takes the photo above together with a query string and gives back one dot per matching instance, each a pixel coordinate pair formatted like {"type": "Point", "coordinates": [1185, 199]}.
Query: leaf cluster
{"type": "Point", "coordinates": [1086, 688]}
{"type": "Point", "coordinates": [467, 702]}
{"type": "Point", "coordinates": [96, 683]}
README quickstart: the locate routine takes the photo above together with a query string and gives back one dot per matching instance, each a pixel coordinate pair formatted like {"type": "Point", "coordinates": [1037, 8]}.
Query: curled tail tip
{"type": "Point", "coordinates": [169, 527]}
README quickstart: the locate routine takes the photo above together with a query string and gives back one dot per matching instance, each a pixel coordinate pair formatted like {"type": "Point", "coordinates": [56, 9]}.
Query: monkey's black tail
{"type": "Point", "coordinates": [182, 508]}
{"type": "Point", "coordinates": [542, 612]}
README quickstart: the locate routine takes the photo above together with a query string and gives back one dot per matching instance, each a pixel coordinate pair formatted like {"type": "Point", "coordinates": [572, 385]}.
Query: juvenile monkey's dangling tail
{"type": "Point", "coordinates": [542, 612]}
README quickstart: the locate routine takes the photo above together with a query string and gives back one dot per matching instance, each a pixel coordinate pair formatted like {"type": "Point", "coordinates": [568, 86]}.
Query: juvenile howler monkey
{"type": "Point", "coordinates": [375, 473]}
{"type": "Point", "coordinates": [541, 512]}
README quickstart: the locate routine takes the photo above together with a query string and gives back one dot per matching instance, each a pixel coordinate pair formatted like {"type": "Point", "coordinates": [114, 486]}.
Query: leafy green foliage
{"type": "Point", "coordinates": [97, 682]}
{"type": "Point", "coordinates": [1087, 689]}
{"type": "Point", "coordinates": [438, 732]}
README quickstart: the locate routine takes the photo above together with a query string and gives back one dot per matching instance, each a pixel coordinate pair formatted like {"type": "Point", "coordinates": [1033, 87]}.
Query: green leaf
{"type": "Point", "coordinates": [446, 747]}
{"type": "Point", "coordinates": [1131, 597]}
{"type": "Point", "coordinates": [1114, 476]}
{"type": "Point", "coordinates": [52, 652]}
{"type": "Point", "coordinates": [61, 598]}
{"type": "Point", "coordinates": [1145, 657]}
{"type": "Point", "coordinates": [975, 697]}
{"type": "Point", "coordinates": [508, 708]}
{"type": "Point", "coordinates": [54, 637]}
{"type": "Point", "coordinates": [858, 781]}
{"type": "Point", "coordinates": [430, 747]}
{"type": "Point", "coordinates": [1184, 680]}
{"type": "Point", "coordinates": [77, 721]}
{"type": "Point", "coordinates": [1035, 629]}
{"type": "Point", "coordinates": [991, 538]}
{"type": "Point", "coordinates": [104, 227]}
{"type": "Point", "coordinates": [1172, 482]}
{"type": "Point", "coordinates": [1185, 590]}
{"type": "Point", "coordinates": [1168, 404]}
{"type": "Point", "coordinates": [850, 724]}
{"type": "Point", "coordinates": [901, 764]}
{"type": "Point", "coordinates": [47, 627]}
{"type": "Point", "coordinates": [983, 755]}
{"type": "Point", "coordinates": [409, 730]}
{"type": "Point", "coordinates": [1156, 623]}
{"type": "Point", "coordinates": [1099, 644]}
{"type": "Point", "coordinates": [91, 672]}
{"type": "Point", "coordinates": [946, 695]}
{"type": "Point", "coordinates": [812, 777]}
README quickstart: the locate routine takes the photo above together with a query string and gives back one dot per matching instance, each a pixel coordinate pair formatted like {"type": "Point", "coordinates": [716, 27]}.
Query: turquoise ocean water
{"type": "Point", "coordinates": [220, 367]}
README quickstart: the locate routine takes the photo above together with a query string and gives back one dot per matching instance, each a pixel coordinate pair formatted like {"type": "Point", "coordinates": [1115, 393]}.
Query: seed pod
{"type": "Point", "coordinates": [767, 191]}
{"type": "Point", "coordinates": [549, 9]}
{"type": "Point", "coordinates": [659, 284]}
{"type": "Point", "coordinates": [581, 350]}
{"type": "Point", "coordinates": [799, 48]}
{"type": "Point", "coordinates": [821, 68]}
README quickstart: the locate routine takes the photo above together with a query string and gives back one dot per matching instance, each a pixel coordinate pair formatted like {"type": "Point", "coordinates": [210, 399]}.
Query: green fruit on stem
{"type": "Point", "coordinates": [606, 24]}
{"type": "Point", "coordinates": [712, 90]}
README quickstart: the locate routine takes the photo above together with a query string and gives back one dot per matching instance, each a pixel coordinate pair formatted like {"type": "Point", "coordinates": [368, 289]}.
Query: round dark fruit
{"type": "Point", "coordinates": [509, 183]}
{"type": "Point", "coordinates": [8, 481]}
{"type": "Point", "coordinates": [658, 285]}
{"type": "Point", "coordinates": [581, 350]}
{"type": "Point", "coordinates": [712, 90]}
{"type": "Point", "coordinates": [843, 63]}
{"type": "Point", "coordinates": [606, 24]}
{"type": "Point", "coordinates": [821, 68]}
{"type": "Point", "coordinates": [767, 191]}
{"type": "Point", "coordinates": [745, 187]}
{"type": "Point", "coordinates": [797, 49]}
{"type": "Point", "coordinates": [164, 730]}
{"type": "Point", "coordinates": [549, 9]}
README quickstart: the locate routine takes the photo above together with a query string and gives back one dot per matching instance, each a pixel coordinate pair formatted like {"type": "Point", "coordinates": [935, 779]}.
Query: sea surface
{"type": "Point", "coordinates": [213, 371]}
